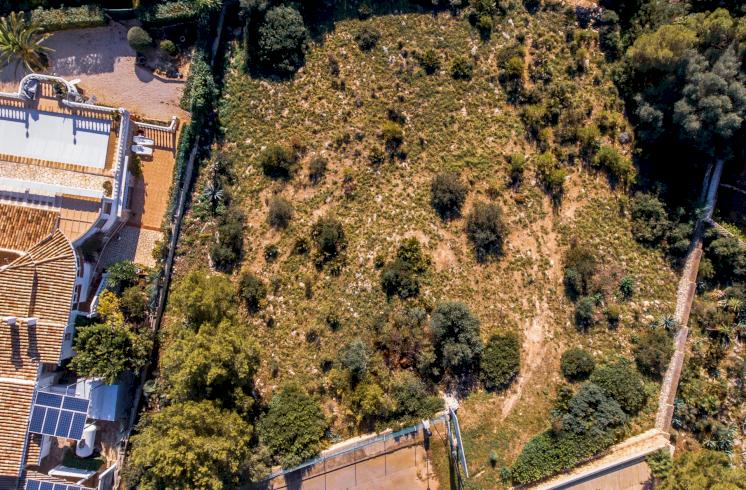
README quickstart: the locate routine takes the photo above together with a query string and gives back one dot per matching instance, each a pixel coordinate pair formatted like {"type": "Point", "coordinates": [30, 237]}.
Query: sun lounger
{"type": "Point", "coordinates": [143, 141]}
{"type": "Point", "coordinates": [142, 150]}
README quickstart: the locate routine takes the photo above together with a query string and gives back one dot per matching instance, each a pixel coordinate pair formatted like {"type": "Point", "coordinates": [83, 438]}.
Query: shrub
{"type": "Point", "coordinates": [652, 352]}
{"type": "Point", "coordinates": [121, 275]}
{"type": "Point", "coordinates": [134, 304]}
{"type": "Point", "coordinates": [397, 278]}
{"type": "Point", "coordinates": [367, 37]}
{"type": "Point", "coordinates": [486, 229]}
{"type": "Point", "coordinates": [412, 399]}
{"type": "Point", "coordinates": [317, 170]}
{"type": "Point", "coordinates": [293, 428]}
{"type": "Point", "coordinates": [447, 195]}
{"type": "Point", "coordinates": [139, 39]}
{"type": "Point", "coordinates": [329, 237]}
{"type": "Point", "coordinates": [169, 47]}
{"type": "Point", "coordinates": [516, 167]}
{"type": "Point", "coordinates": [410, 253]}
{"type": "Point", "coordinates": [226, 251]}
{"type": "Point", "coordinates": [393, 136]}
{"type": "Point", "coordinates": [513, 68]}
{"type": "Point", "coordinates": [251, 290]}
{"type": "Point", "coordinates": [456, 336]}
{"type": "Point", "coordinates": [581, 267]}
{"type": "Point", "coordinates": [613, 314]}
{"type": "Point", "coordinates": [429, 61]}
{"type": "Point", "coordinates": [622, 383]}
{"type": "Point", "coordinates": [627, 287]}
{"type": "Point", "coordinates": [500, 361]}
{"type": "Point", "coordinates": [173, 12]}
{"type": "Point", "coordinates": [551, 175]}
{"type": "Point", "coordinates": [277, 161]}
{"type": "Point", "coordinates": [650, 222]}
{"type": "Point", "coordinates": [355, 358]}
{"type": "Point", "coordinates": [462, 68]}
{"type": "Point", "coordinates": [584, 312]}
{"type": "Point", "coordinates": [280, 212]}
{"type": "Point", "coordinates": [282, 40]}
{"type": "Point", "coordinates": [620, 168]}
{"type": "Point", "coordinates": [576, 364]}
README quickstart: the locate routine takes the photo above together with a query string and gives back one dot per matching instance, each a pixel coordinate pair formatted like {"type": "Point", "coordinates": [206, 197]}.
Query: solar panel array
{"type": "Point", "coordinates": [45, 485]}
{"type": "Point", "coordinates": [58, 415]}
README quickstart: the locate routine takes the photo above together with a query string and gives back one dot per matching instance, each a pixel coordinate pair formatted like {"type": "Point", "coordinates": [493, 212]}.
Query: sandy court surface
{"type": "Point", "coordinates": [101, 58]}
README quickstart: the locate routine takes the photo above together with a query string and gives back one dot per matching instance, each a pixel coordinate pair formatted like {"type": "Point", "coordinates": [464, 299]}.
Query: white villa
{"type": "Point", "coordinates": [64, 191]}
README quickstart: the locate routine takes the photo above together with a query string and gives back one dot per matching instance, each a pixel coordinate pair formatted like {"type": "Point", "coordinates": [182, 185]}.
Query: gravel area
{"type": "Point", "coordinates": [105, 64]}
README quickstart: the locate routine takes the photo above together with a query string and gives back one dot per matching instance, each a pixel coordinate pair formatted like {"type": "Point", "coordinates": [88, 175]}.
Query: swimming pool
{"type": "Point", "coordinates": [54, 137]}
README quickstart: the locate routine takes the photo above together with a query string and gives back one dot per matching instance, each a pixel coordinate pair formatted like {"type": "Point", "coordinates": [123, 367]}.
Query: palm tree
{"type": "Point", "coordinates": [20, 43]}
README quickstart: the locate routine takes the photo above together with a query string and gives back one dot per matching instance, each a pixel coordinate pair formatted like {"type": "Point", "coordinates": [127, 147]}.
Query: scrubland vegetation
{"type": "Point", "coordinates": [406, 202]}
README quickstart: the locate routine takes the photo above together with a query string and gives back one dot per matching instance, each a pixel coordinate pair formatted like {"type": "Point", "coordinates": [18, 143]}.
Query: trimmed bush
{"type": "Point", "coordinates": [68, 18]}
{"type": "Point", "coordinates": [165, 13]}
{"type": "Point", "coordinates": [277, 161]}
{"type": "Point", "coordinates": [447, 195]}
{"type": "Point", "coordinates": [280, 212]}
{"type": "Point", "coordinates": [486, 230]}
{"type": "Point", "coordinates": [367, 37]}
{"type": "Point", "coordinates": [500, 361]}
{"type": "Point", "coordinates": [576, 364]}
{"type": "Point", "coordinates": [252, 291]}
{"type": "Point", "coordinates": [139, 39]}
{"type": "Point", "coordinates": [168, 46]}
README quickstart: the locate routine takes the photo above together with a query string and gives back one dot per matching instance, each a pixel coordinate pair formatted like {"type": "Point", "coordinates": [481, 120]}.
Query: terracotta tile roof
{"type": "Point", "coordinates": [15, 404]}
{"type": "Point", "coordinates": [38, 284]}
{"type": "Point", "coordinates": [22, 227]}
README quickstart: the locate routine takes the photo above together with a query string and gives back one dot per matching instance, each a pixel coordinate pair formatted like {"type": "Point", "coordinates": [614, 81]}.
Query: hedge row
{"type": "Point", "coordinates": [168, 13]}
{"type": "Point", "coordinates": [69, 17]}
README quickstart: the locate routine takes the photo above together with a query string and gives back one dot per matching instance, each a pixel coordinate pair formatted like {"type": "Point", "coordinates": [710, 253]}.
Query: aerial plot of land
{"type": "Point", "coordinates": [373, 244]}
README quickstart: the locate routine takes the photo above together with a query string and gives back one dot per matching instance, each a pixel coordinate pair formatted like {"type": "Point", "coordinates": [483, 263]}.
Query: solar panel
{"type": "Point", "coordinates": [58, 415]}
{"type": "Point", "coordinates": [45, 485]}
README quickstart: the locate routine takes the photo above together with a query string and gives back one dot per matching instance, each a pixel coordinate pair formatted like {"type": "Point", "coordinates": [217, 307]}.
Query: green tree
{"type": "Point", "coordinates": [108, 351]}
{"type": "Point", "coordinates": [190, 445]}
{"type": "Point", "coordinates": [622, 383]}
{"type": "Point", "coordinates": [216, 363]}
{"type": "Point", "coordinates": [21, 43]}
{"type": "Point", "coordinates": [293, 428]}
{"type": "Point", "coordinates": [576, 364]}
{"type": "Point", "coordinates": [121, 275]}
{"type": "Point", "coordinates": [456, 336]}
{"type": "Point", "coordinates": [355, 358]}
{"type": "Point", "coordinates": [201, 297]}
{"type": "Point", "coordinates": [282, 40]}
{"type": "Point", "coordinates": [501, 361]}
{"type": "Point", "coordinates": [134, 305]}
{"type": "Point", "coordinates": [650, 222]}
{"type": "Point", "coordinates": [581, 266]}
{"type": "Point", "coordinates": [704, 470]}
{"type": "Point", "coordinates": [486, 229]}
{"type": "Point", "coordinates": [653, 350]}
{"type": "Point", "coordinates": [412, 401]}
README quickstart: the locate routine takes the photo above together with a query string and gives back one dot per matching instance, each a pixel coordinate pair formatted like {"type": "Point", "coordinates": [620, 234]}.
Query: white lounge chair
{"type": "Point", "coordinates": [142, 150]}
{"type": "Point", "coordinates": [142, 140]}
